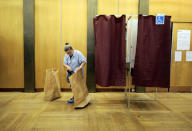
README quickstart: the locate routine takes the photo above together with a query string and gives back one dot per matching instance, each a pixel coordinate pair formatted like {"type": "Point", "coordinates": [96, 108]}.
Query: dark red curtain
{"type": "Point", "coordinates": [153, 53]}
{"type": "Point", "coordinates": [110, 50]}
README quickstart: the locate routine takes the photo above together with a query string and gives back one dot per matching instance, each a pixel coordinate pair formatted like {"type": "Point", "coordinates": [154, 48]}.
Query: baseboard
{"type": "Point", "coordinates": [110, 90]}
{"type": "Point", "coordinates": [62, 89]}
{"type": "Point", "coordinates": [11, 89]}
{"type": "Point", "coordinates": [148, 89]}
{"type": "Point", "coordinates": [171, 89]}
{"type": "Point", "coordinates": [153, 89]}
{"type": "Point", "coordinates": [97, 90]}
{"type": "Point", "coordinates": [36, 90]}
{"type": "Point", "coordinates": [181, 89]}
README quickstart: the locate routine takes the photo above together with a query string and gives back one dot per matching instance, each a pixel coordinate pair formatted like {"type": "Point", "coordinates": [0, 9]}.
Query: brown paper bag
{"type": "Point", "coordinates": [79, 89]}
{"type": "Point", "coordinates": [52, 85]}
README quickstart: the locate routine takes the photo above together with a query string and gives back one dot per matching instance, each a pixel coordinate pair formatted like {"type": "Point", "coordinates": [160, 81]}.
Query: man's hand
{"type": "Point", "coordinates": [77, 69]}
{"type": "Point", "coordinates": [81, 66]}
{"type": "Point", "coordinates": [69, 68]}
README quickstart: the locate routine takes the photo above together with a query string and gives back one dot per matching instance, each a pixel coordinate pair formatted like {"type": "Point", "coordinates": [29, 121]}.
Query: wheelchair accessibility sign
{"type": "Point", "coordinates": [160, 19]}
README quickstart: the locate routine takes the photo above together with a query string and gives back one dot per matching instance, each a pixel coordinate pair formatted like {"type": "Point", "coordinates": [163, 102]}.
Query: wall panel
{"type": "Point", "coordinates": [74, 29]}
{"type": "Point", "coordinates": [180, 10]}
{"type": "Point", "coordinates": [47, 38]}
{"type": "Point", "coordinates": [181, 72]}
{"type": "Point", "coordinates": [11, 44]}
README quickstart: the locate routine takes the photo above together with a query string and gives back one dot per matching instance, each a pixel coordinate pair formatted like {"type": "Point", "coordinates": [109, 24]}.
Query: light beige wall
{"type": "Point", "coordinates": [181, 72]}
{"type": "Point", "coordinates": [47, 34]}
{"type": "Point", "coordinates": [47, 38]}
{"type": "Point", "coordinates": [180, 10]}
{"type": "Point", "coordinates": [11, 44]}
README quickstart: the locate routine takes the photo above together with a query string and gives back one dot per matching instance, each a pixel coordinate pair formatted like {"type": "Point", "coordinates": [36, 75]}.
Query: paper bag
{"type": "Point", "coordinates": [52, 85]}
{"type": "Point", "coordinates": [79, 89]}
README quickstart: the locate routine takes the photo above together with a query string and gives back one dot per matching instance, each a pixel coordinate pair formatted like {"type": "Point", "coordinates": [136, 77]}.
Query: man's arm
{"type": "Point", "coordinates": [67, 67]}
{"type": "Point", "coordinates": [81, 66]}
{"type": "Point", "coordinates": [65, 64]}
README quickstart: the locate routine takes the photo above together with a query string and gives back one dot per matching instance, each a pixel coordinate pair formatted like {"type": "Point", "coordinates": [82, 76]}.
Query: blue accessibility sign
{"type": "Point", "coordinates": [160, 19]}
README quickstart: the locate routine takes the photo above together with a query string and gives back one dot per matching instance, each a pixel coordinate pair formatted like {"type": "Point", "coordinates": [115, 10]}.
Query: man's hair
{"type": "Point", "coordinates": [67, 47]}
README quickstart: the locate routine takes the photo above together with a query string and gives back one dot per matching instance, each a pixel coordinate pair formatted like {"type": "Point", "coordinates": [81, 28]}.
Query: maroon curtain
{"type": "Point", "coordinates": [153, 53]}
{"type": "Point", "coordinates": [110, 50]}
